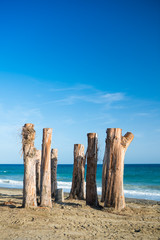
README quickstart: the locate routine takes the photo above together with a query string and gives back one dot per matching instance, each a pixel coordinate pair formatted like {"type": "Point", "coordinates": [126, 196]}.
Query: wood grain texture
{"type": "Point", "coordinates": [38, 170]}
{"type": "Point", "coordinates": [113, 167]}
{"type": "Point", "coordinates": [46, 168]}
{"type": "Point", "coordinates": [29, 152]}
{"type": "Point", "coordinates": [54, 159]}
{"type": "Point", "coordinates": [78, 181]}
{"type": "Point", "coordinates": [91, 187]}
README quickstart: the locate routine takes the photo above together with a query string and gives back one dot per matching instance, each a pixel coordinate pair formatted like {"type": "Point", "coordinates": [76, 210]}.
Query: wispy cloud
{"type": "Point", "coordinates": [78, 87]}
{"type": "Point", "coordinates": [95, 98]}
{"type": "Point", "coordinates": [18, 113]}
{"type": "Point", "coordinates": [142, 114]}
{"type": "Point", "coordinates": [113, 97]}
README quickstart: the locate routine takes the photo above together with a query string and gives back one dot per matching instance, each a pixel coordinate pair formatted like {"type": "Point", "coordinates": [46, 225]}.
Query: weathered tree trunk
{"type": "Point", "coordinates": [38, 171]}
{"type": "Point", "coordinates": [78, 181]}
{"type": "Point", "coordinates": [54, 159]}
{"type": "Point", "coordinates": [46, 168]}
{"type": "Point", "coordinates": [91, 187]}
{"type": "Point", "coordinates": [29, 152]}
{"type": "Point", "coordinates": [116, 146]}
{"type": "Point", "coordinates": [104, 172]}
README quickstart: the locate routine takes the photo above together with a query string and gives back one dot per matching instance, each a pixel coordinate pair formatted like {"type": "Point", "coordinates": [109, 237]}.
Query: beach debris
{"type": "Point", "coordinates": [45, 197]}
{"type": "Point", "coordinates": [38, 171]}
{"type": "Point", "coordinates": [59, 197]}
{"type": "Point", "coordinates": [137, 230]}
{"type": "Point", "coordinates": [29, 152]}
{"type": "Point", "coordinates": [113, 168]}
{"type": "Point", "coordinates": [91, 187]}
{"type": "Point", "coordinates": [9, 203]}
{"type": "Point", "coordinates": [78, 181]}
{"type": "Point", "coordinates": [54, 159]}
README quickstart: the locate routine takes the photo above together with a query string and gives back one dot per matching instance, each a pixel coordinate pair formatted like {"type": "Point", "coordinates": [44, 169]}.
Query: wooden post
{"type": "Point", "coordinates": [46, 168]}
{"type": "Point", "coordinates": [104, 172]}
{"type": "Point", "coordinates": [38, 171]}
{"type": "Point", "coordinates": [59, 196]}
{"type": "Point", "coordinates": [54, 159]}
{"type": "Point", "coordinates": [116, 146]}
{"type": "Point", "coordinates": [91, 187]}
{"type": "Point", "coordinates": [78, 181]}
{"type": "Point", "coordinates": [29, 152]}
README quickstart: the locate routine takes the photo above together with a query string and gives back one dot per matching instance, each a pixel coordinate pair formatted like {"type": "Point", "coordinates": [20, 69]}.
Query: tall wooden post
{"type": "Point", "coordinates": [54, 159]}
{"type": "Point", "coordinates": [78, 181]}
{"type": "Point", "coordinates": [38, 171]}
{"type": "Point", "coordinates": [116, 146]}
{"type": "Point", "coordinates": [46, 168]}
{"type": "Point", "coordinates": [104, 172]}
{"type": "Point", "coordinates": [91, 187]}
{"type": "Point", "coordinates": [29, 152]}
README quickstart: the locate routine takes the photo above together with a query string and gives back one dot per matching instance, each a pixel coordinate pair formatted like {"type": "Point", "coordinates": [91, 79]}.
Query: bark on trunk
{"type": "Point", "coordinates": [91, 187]}
{"type": "Point", "coordinates": [78, 181]}
{"type": "Point", "coordinates": [116, 146]}
{"type": "Point", "coordinates": [54, 159]}
{"type": "Point", "coordinates": [29, 152]}
{"type": "Point", "coordinates": [38, 171]}
{"type": "Point", "coordinates": [104, 172]}
{"type": "Point", "coordinates": [46, 168]}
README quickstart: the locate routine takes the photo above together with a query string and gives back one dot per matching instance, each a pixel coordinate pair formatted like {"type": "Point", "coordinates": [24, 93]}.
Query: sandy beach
{"type": "Point", "coordinates": [74, 220]}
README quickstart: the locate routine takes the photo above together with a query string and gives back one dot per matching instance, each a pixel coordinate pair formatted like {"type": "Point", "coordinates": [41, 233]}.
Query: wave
{"type": "Point", "coordinates": [130, 191]}
{"type": "Point", "coordinates": [67, 186]}
{"type": "Point", "coordinates": [11, 183]}
{"type": "Point", "coordinates": [141, 187]}
{"type": "Point", "coordinates": [150, 195]}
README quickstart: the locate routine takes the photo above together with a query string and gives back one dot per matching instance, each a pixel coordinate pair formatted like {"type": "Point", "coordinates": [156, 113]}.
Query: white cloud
{"type": "Point", "coordinates": [95, 98]}
{"type": "Point", "coordinates": [113, 97]}
{"type": "Point", "coordinates": [143, 114]}
{"type": "Point", "coordinates": [78, 87]}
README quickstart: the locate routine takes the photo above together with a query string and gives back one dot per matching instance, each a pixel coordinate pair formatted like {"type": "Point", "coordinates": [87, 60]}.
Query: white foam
{"type": "Point", "coordinates": [130, 193]}
{"type": "Point", "coordinates": [11, 183]}
{"type": "Point", "coordinates": [153, 195]}
{"type": "Point", "coordinates": [67, 186]}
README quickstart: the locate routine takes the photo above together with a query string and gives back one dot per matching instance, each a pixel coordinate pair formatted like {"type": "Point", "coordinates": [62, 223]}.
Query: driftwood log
{"type": "Point", "coordinates": [54, 159]}
{"type": "Point", "coordinates": [38, 171]}
{"type": "Point", "coordinates": [29, 153]}
{"type": "Point", "coordinates": [113, 167]}
{"type": "Point", "coordinates": [78, 181]}
{"type": "Point", "coordinates": [92, 154]}
{"type": "Point", "coordinates": [46, 168]}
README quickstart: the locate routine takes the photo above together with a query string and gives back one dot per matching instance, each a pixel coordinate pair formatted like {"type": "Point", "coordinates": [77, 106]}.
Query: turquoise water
{"type": "Point", "coordinates": [140, 180]}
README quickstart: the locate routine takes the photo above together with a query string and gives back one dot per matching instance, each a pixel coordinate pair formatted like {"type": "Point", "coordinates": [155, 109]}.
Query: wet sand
{"type": "Point", "coordinates": [74, 220]}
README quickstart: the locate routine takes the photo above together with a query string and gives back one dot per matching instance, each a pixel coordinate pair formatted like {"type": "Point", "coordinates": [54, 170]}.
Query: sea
{"type": "Point", "coordinates": [141, 181]}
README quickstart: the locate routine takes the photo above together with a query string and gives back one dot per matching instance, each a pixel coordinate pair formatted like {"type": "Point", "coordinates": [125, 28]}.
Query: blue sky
{"type": "Point", "coordinates": [79, 67]}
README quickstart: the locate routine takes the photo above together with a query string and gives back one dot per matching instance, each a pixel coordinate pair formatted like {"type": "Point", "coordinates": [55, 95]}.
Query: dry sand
{"type": "Point", "coordinates": [74, 220]}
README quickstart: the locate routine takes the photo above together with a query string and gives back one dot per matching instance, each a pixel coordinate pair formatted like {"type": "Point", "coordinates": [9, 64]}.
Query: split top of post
{"type": "Point", "coordinates": [92, 135]}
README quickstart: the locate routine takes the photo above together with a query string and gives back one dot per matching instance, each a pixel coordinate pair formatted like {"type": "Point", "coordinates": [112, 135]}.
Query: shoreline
{"type": "Point", "coordinates": [66, 194]}
{"type": "Point", "coordinates": [136, 182]}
